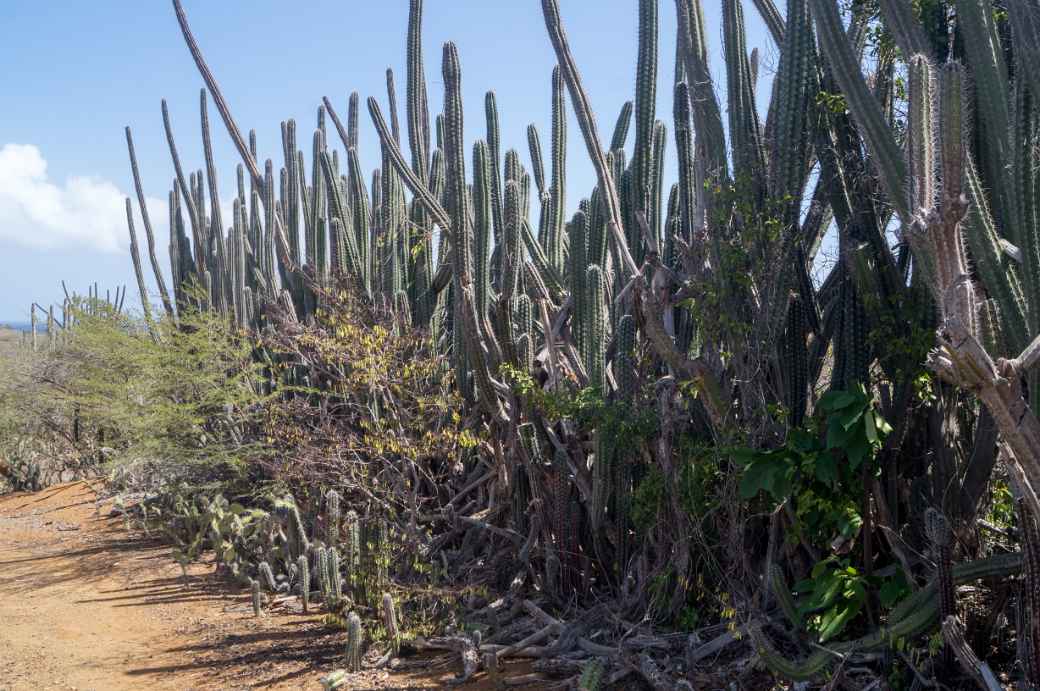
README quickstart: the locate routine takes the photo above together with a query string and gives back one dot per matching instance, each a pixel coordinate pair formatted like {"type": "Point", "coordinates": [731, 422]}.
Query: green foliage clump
{"type": "Point", "coordinates": [818, 468]}
{"type": "Point", "coordinates": [183, 402]}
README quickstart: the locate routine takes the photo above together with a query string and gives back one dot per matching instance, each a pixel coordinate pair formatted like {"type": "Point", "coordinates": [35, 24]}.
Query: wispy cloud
{"type": "Point", "coordinates": [83, 212]}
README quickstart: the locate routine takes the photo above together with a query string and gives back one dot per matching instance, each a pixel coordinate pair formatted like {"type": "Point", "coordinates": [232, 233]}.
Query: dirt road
{"type": "Point", "coordinates": [86, 605]}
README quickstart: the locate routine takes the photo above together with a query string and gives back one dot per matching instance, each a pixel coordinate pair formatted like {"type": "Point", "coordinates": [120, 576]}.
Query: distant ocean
{"type": "Point", "coordinates": [22, 326]}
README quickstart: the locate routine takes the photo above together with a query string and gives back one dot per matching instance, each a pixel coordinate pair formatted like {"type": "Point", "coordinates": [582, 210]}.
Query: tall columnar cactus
{"type": "Point", "coordinates": [375, 560]}
{"type": "Point", "coordinates": [578, 230]}
{"type": "Point", "coordinates": [354, 640]}
{"type": "Point", "coordinates": [482, 224]}
{"type": "Point", "coordinates": [594, 316]}
{"type": "Point", "coordinates": [1030, 531]}
{"type": "Point", "coordinates": [297, 531]}
{"type": "Point", "coordinates": [324, 584]}
{"type": "Point", "coordinates": [303, 572]}
{"type": "Point", "coordinates": [939, 535]}
{"type": "Point", "coordinates": [557, 192]}
{"type": "Point", "coordinates": [266, 576]}
{"type": "Point", "coordinates": [160, 280]}
{"type": "Point", "coordinates": [640, 190]}
{"type": "Point", "coordinates": [352, 548]}
{"type": "Point", "coordinates": [254, 589]}
{"type": "Point", "coordinates": [135, 255]}
{"type": "Point", "coordinates": [949, 223]}
{"type": "Point", "coordinates": [393, 631]}
{"type": "Point", "coordinates": [334, 579]}
{"type": "Point", "coordinates": [332, 516]}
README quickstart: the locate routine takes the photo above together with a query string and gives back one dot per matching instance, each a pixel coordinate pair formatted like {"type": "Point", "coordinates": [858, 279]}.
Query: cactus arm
{"type": "Point", "coordinates": [980, 672]}
{"type": "Point", "coordinates": [223, 285]}
{"type": "Point", "coordinates": [1025, 25]}
{"type": "Point", "coordinates": [494, 142]}
{"type": "Point", "coordinates": [290, 182]}
{"type": "Point", "coordinates": [391, 106]}
{"type": "Point", "coordinates": [558, 173]}
{"type": "Point", "coordinates": [218, 98]}
{"type": "Point", "coordinates": [707, 115]}
{"type": "Point", "coordinates": [352, 120]}
{"type": "Point", "coordinates": [344, 133]}
{"type": "Point", "coordinates": [621, 127]}
{"type": "Point", "coordinates": [148, 231]}
{"type": "Point", "coordinates": [744, 128]}
{"type": "Point", "coordinates": [862, 103]}
{"type": "Point", "coordinates": [482, 224]}
{"type": "Point", "coordinates": [428, 199]}
{"type": "Point", "coordinates": [189, 202]}
{"type": "Point", "coordinates": [548, 275]}
{"type": "Point", "coordinates": [135, 255]}
{"type": "Point", "coordinates": [645, 103]}
{"type": "Point", "coordinates": [417, 106]}
{"type": "Point", "coordinates": [993, 98]}
{"type": "Point", "coordinates": [304, 572]}
{"type": "Point", "coordinates": [534, 146]}
{"type": "Point", "coordinates": [796, 90]}
{"type": "Point", "coordinates": [238, 265]}
{"type": "Point", "coordinates": [390, 623]}
{"type": "Point", "coordinates": [773, 21]}
{"type": "Point", "coordinates": [587, 123]}
{"type": "Point", "coordinates": [909, 35]}
{"type": "Point", "coordinates": [690, 186]}
{"type": "Point", "coordinates": [354, 636]}
{"type": "Point", "coordinates": [340, 211]}
{"type": "Point", "coordinates": [225, 111]}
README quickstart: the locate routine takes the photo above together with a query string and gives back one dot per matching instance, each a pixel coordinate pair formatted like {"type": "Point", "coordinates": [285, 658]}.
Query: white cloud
{"type": "Point", "coordinates": [84, 212]}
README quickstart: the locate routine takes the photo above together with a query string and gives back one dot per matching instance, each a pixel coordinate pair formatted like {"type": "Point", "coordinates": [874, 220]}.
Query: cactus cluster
{"type": "Point", "coordinates": [694, 302]}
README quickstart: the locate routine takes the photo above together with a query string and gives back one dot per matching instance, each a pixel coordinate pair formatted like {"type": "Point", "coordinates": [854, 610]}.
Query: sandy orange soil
{"type": "Point", "coordinates": [84, 604]}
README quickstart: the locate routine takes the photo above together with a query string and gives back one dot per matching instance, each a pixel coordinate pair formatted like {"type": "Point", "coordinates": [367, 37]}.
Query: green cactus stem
{"type": "Point", "coordinates": [354, 640]}
{"type": "Point", "coordinates": [390, 623]}
{"type": "Point", "coordinates": [254, 587]}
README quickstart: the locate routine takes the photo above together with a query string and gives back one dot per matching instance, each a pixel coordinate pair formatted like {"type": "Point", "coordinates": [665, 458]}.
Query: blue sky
{"type": "Point", "coordinates": [77, 73]}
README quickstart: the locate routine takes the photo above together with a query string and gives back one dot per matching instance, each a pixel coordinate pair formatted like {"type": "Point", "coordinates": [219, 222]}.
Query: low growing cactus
{"type": "Point", "coordinates": [354, 635]}
{"type": "Point", "coordinates": [393, 632]}
{"type": "Point", "coordinates": [303, 571]}
{"type": "Point", "coordinates": [254, 586]}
